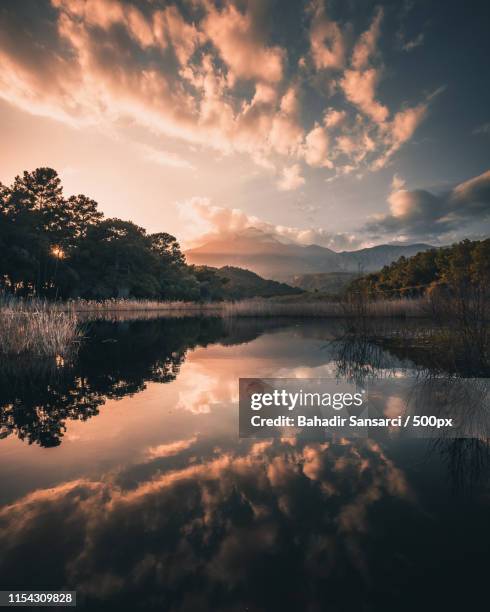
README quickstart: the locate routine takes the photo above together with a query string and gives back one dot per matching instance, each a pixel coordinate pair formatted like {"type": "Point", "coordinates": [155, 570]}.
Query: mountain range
{"type": "Point", "coordinates": [280, 259]}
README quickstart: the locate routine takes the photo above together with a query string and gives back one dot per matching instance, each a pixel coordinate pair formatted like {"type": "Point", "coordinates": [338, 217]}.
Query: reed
{"type": "Point", "coordinates": [323, 309]}
{"type": "Point", "coordinates": [257, 307]}
{"type": "Point", "coordinates": [121, 304]}
{"type": "Point", "coordinates": [35, 328]}
{"type": "Point", "coordinates": [46, 329]}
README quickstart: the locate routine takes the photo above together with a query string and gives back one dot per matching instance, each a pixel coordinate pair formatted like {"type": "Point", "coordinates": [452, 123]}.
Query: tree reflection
{"type": "Point", "coordinates": [116, 359]}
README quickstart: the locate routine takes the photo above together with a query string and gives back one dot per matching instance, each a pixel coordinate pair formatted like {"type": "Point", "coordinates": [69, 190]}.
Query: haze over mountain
{"type": "Point", "coordinates": [280, 259]}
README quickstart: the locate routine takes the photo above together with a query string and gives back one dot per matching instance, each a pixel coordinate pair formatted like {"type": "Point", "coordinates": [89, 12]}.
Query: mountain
{"type": "Point", "coordinates": [281, 259]}
{"type": "Point", "coordinates": [375, 258]}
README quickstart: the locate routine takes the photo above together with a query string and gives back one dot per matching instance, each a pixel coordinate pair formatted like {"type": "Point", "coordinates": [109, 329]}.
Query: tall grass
{"type": "Point", "coordinates": [43, 329]}
{"type": "Point", "coordinates": [256, 307]}
{"type": "Point", "coordinates": [321, 308]}
{"type": "Point", "coordinates": [35, 328]}
{"type": "Point", "coordinates": [121, 304]}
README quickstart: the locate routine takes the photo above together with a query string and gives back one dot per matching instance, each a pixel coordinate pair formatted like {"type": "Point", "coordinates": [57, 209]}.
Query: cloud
{"type": "Point", "coordinates": [316, 147]}
{"type": "Point", "coordinates": [211, 222]}
{"type": "Point", "coordinates": [366, 46]}
{"type": "Point", "coordinates": [171, 448]}
{"type": "Point", "coordinates": [399, 131]}
{"type": "Point", "coordinates": [360, 81]}
{"type": "Point", "coordinates": [397, 183]}
{"type": "Point", "coordinates": [207, 523]}
{"type": "Point", "coordinates": [210, 76]}
{"type": "Point", "coordinates": [410, 45]}
{"type": "Point", "coordinates": [326, 39]}
{"type": "Point", "coordinates": [334, 118]}
{"type": "Point", "coordinates": [291, 178]}
{"type": "Point", "coordinates": [237, 39]}
{"type": "Point", "coordinates": [360, 89]}
{"type": "Point", "coordinates": [422, 214]}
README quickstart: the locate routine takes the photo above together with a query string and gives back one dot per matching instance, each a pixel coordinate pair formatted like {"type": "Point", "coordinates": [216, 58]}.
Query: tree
{"type": "Point", "coordinates": [116, 260]}
{"type": "Point", "coordinates": [82, 214]}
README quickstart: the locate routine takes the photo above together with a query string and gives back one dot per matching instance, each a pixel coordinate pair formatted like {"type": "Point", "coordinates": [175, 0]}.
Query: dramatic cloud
{"type": "Point", "coordinates": [421, 214]}
{"type": "Point", "coordinates": [211, 76]}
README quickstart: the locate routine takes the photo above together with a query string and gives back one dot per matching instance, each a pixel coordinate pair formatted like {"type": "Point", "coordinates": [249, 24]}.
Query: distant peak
{"type": "Point", "coordinates": [251, 232]}
{"type": "Point", "coordinates": [254, 233]}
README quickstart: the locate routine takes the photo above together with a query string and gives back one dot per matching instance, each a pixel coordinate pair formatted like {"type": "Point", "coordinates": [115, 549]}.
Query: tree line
{"type": "Point", "coordinates": [62, 247]}
{"type": "Point", "coordinates": [464, 266]}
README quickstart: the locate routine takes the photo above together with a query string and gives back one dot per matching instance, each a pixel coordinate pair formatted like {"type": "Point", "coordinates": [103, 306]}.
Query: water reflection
{"type": "Point", "coordinates": [156, 505]}
{"type": "Point", "coordinates": [430, 390]}
{"type": "Point", "coordinates": [115, 360]}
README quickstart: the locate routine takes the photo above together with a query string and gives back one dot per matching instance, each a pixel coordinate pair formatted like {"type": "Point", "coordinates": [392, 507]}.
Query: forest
{"type": "Point", "coordinates": [464, 266]}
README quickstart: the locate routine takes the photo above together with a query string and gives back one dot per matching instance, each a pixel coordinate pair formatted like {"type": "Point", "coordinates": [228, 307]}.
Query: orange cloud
{"type": "Point", "coordinates": [360, 89]}
{"type": "Point", "coordinates": [212, 79]}
{"type": "Point", "coordinates": [235, 36]}
{"type": "Point", "coordinates": [326, 39]}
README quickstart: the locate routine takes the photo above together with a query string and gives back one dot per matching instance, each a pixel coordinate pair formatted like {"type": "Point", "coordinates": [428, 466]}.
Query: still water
{"type": "Point", "coordinates": [123, 478]}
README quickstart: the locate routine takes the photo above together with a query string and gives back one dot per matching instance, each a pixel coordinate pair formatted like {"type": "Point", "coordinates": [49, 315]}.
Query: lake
{"type": "Point", "coordinates": [123, 478]}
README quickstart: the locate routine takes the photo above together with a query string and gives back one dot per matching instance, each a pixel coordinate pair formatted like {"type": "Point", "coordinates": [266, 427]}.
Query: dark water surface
{"type": "Point", "coordinates": [123, 478]}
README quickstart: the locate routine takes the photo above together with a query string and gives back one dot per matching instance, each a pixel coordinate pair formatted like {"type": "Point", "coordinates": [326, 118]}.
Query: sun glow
{"type": "Point", "coordinates": [57, 252]}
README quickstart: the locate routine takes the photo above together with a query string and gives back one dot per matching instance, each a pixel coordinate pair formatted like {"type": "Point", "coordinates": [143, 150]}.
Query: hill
{"type": "Point", "coordinates": [237, 283]}
{"type": "Point", "coordinates": [460, 265]}
{"type": "Point", "coordinates": [332, 283]}
{"type": "Point", "coordinates": [280, 259]}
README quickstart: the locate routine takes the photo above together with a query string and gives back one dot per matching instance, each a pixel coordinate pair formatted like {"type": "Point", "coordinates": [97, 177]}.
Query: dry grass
{"type": "Point", "coordinates": [321, 308]}
{"type": "Point", "coordinates": [36, 329]}
{"type": "Point", "coordinates": [94, 306]}
{"type": "Point", "coordinates": [257, 307]}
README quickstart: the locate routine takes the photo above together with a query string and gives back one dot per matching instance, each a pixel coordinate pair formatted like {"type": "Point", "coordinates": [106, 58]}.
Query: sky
{"type": "Point", "coordinates": [342, 123]}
